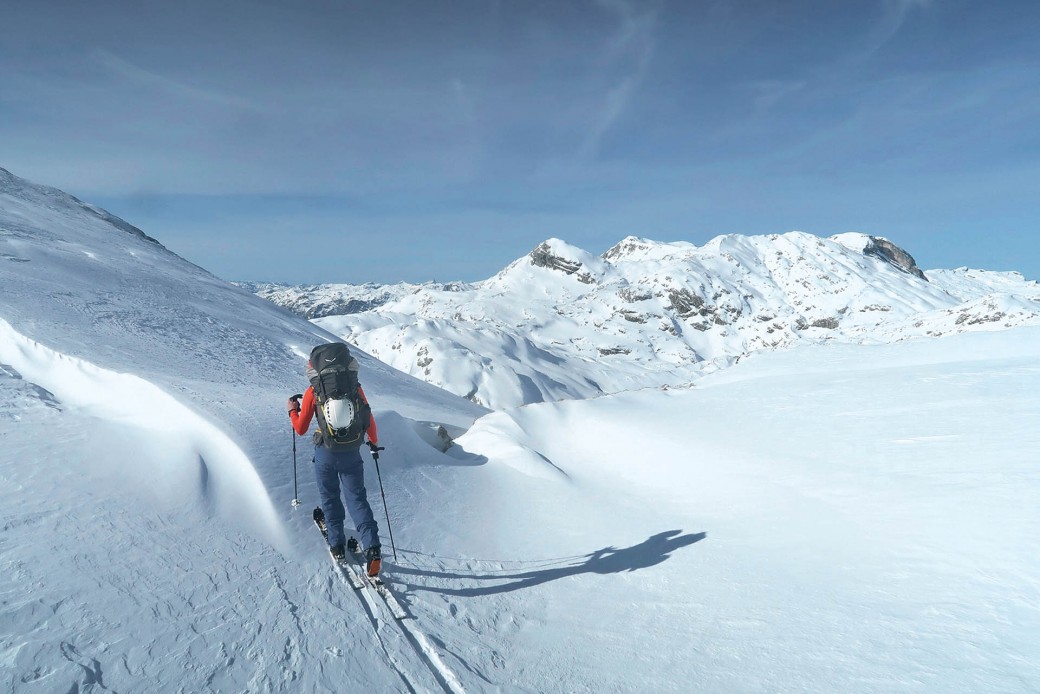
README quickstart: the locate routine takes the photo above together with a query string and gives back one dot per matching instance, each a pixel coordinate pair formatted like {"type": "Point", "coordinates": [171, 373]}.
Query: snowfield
{"type": "Point", "coordinates": [835, 517]}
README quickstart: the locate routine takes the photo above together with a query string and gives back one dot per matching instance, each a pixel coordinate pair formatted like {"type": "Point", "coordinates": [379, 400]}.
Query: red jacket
{"type": "Point", "coordinates": [301, 418]}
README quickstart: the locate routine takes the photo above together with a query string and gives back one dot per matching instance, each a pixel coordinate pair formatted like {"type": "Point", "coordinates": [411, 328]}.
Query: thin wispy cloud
{"type": "Point", "coordinates": [629, 55]}
{"type": "Point", "coordinates": [150, 79]}
{"type": "Point", "coordinates": [894, 14]}
{"type": "Point", "coordinates": [588, 120]}
{"type": "Point", "coordinates": [768, 93]}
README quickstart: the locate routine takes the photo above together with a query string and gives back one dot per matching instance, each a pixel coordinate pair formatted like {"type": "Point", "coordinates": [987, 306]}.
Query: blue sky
{"type": "Point", "coordinates": [343, 141]}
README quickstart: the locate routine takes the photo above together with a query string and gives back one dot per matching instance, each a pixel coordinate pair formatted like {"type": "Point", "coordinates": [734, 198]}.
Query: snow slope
{"type": "Point", "coordinates": [562, 323]}
{"type": "Point", "coordinates": [831, 518]}
{"type": "Point", "coordinates": [148, 541]}
{"type": "Point", "coordinates": [834, 518]}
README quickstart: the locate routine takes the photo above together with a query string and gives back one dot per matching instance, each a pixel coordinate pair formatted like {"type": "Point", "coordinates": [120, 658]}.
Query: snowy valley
{"type": "Point", "coordinates": [837, 490]}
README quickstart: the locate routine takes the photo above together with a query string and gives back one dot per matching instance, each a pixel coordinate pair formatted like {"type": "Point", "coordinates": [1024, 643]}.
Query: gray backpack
{"type": "Point", "coordinates": [343, 416]}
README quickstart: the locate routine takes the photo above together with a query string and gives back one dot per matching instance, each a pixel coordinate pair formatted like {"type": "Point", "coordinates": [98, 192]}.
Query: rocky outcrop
{"type": "Point", "coordinates": [542, 256]}
{"type": "Point", "coordinates": [686, 303]}
{"type": "Point", "coordinates": [883, 249]}
{"type": "Point", "coordinates": [627, 246]}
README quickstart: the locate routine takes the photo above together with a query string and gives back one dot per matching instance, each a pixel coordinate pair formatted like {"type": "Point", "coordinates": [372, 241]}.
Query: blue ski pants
{"type": "Point", "coordinates": [346, 469]}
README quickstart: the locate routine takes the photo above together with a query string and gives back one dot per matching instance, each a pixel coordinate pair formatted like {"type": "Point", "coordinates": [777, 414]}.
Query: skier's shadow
{"type": "Point", "coordinates": [608, 560]}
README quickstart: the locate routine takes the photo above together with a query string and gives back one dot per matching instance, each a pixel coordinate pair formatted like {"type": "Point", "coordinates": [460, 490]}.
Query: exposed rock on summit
{"type": "Point", "coordinates": [542, 256]}
{"type": "Point", "coordinates": [893, 254]}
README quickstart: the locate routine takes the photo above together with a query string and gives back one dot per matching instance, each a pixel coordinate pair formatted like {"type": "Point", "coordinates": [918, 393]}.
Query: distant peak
{"type": "Point", "coordinates": [553, 254]}
{"type": "Point", "coordinates": [638, 248]}
{"type": "Point", "coordinates": [628, 246]}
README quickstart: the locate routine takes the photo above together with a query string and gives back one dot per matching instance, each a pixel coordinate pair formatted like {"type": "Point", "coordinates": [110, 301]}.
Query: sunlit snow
{"type": "Point", "coordinates": [844, 515]}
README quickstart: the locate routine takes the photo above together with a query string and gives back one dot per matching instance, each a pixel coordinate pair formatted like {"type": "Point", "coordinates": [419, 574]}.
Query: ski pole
{"type": "Point", "coordinates": [375, 456]}
{"type": "Point", "coordinates": [296, 488]}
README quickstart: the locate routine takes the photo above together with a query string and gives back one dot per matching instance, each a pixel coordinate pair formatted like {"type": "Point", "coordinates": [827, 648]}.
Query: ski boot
{"type": "Point", "coordinates": [373, 560]}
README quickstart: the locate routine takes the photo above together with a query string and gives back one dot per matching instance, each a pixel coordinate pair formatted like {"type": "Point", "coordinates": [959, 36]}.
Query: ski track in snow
{"type": "Point", "coordinates": [379, 601]}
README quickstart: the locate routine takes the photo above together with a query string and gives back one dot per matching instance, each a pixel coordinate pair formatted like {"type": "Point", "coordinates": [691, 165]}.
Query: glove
{"type": "Point", "coordinates": [294, 404]}
{"type": "Point", "coordinates": [375, 450]}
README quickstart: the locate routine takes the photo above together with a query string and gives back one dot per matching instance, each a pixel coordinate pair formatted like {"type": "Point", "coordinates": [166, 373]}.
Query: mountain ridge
{"type": "Point", "coordinates": [563, 323]}
{"type": "Point", "coordinates": [55, 198]}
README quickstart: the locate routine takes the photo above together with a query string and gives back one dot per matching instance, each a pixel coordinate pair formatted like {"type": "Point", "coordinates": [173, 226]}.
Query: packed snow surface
{"type": "Point", "coordinates": [561, 323]}
{"type": "Point", "coordinates": [836, 517]}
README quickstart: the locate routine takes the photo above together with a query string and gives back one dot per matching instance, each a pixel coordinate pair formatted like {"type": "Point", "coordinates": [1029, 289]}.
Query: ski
{"type": "Point", "coordinates": [358, 575]}
{"type": "Point", "coordinates": [343, 564]}
{"type": "Point", "coordinates": [419, 641]}
{"type": "Point", "coordinates": [379, 587]}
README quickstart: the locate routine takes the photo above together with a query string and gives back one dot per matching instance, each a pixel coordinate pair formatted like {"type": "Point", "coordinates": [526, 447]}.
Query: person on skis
{"type": "Point", "coordinates": [336, 398]}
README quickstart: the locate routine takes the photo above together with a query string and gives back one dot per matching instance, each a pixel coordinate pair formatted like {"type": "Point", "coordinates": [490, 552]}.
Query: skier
{"type": "Point", "coordinates": [344, 418]}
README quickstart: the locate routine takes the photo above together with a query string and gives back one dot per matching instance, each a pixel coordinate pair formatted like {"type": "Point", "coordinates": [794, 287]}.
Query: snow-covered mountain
{"type": "Point", "coordinates": [834, 517]}
{"type": "Point", "coordinates": [562, 323]}
{"type": "Point", "coordinates": [321, 300]}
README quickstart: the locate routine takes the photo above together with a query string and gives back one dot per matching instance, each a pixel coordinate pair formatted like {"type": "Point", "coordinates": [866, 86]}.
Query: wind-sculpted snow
{"type": "Point", "coordinates": [190, 459]}
{"type": "Point", "coordinates": [562, 323]}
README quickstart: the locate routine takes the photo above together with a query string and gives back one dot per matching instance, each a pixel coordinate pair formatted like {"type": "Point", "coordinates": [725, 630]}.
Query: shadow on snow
{"type": "Point", "coordinates": [608, 560]}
